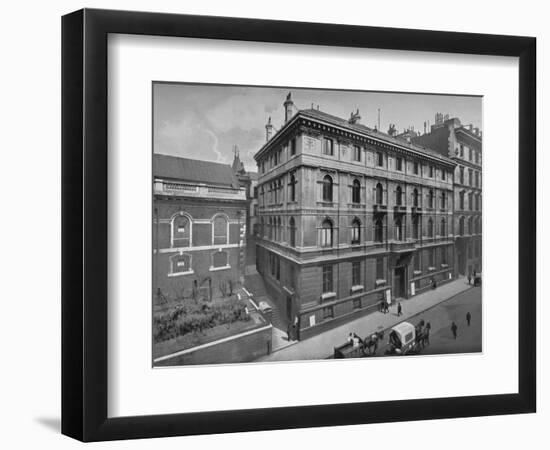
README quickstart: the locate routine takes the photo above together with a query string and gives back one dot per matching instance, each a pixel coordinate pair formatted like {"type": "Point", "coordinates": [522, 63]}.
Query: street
{"type": "Point", "coordinates": [441, 317]}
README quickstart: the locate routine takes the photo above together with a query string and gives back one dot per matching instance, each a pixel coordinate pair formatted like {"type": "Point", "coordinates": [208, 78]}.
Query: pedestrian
{"type": "Point", "coordinates": [428, 329]}
{"type": "Point", "coordinates": [399, 309]}
{"type": "Point", "coordinates": [434, 284]}
{"type": "Point", "coordinates": [469, 277]}
{"type": "Point", "coordinates": [454, 329]}
{"type": "Point", "coordinates": [289, 332]}
{"type": "Point", "coordinates": [350, 338]}
{"type": "Point", "coordinates": [468, 318]}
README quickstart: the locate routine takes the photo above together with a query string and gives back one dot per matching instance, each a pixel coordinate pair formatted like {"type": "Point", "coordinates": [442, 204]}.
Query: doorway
{"type": "Point", "coordinates": [399, 282]}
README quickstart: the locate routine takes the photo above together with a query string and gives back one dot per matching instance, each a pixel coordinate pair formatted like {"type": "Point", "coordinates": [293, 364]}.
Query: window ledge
{"type": "Point", "coordinates": [215, 269]}
{"type": "Point", "coordinates": [444, 266]}
{"type": "Point", "coordinates": [328, 295]}
{"type": "Point", "coordinates": [431, 269]}
{"type": "Point", "coordinates": [380, 282]}
{"type": "Point", "coordinates": [179, 274]}
{"type": "Point", "coordinates": [417, 272]}
{"type": "Point", "coordinates": [357, 288]}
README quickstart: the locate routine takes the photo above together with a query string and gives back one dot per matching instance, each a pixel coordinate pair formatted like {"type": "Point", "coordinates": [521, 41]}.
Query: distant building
{"type": "Point", "coordinates": [463, 144]}
{"type": "Point", "coordinates": [349, 216]}
{"type": "Point", "coordinates": [199, 220]}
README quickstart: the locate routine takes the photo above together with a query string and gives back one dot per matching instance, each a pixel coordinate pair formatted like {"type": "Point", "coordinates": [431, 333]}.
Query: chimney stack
{"type": "Point", "coordinates": [289, 107]}
{"type": "Point", "coordinates": [355, 117]}
{"type": "Point", "coordinates": [268, 130]}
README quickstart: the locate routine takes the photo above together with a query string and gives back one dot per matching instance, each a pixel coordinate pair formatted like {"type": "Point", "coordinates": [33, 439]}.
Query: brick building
{"type": "Point", "coordinates": [463, 145]}
{"type": "Point", "coordinates": [199, 220]}
{"type": "Point", "coordinates": [348, 216]}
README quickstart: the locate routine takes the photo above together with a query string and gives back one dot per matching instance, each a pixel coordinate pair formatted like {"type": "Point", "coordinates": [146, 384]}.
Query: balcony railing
{"type": "Point", "coordinates": [380, 208]}
{"type": "Point", "coordinates": [401, 209]}
{"type": "Point", "coordinates": [416, 210]}
{"type": "Point", "coordinates": [198, 190]}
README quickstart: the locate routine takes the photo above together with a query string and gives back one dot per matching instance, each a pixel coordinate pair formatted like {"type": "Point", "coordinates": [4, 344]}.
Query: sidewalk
{"type": "Point", "coordinates": [322, 345]}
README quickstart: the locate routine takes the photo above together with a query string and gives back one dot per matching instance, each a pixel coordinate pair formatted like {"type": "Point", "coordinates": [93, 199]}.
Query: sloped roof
{"type": "Point", "coordinates": [185, 169]}
{"type": "Point", "coordinates": [315, 113]}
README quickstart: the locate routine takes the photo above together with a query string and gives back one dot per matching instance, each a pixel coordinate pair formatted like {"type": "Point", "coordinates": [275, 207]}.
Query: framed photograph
{"type": "Point", "coordinates": [274, 225]}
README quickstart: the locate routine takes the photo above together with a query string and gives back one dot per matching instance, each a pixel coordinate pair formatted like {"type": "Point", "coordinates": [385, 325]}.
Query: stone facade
{"type": "Point", "coordinates": [464, 145]}
{"type": "Point", "coordinates": [349, 216]}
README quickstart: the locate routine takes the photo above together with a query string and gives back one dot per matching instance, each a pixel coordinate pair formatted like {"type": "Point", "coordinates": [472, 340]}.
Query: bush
{"type": "Point", "coordinates": [197, 318]}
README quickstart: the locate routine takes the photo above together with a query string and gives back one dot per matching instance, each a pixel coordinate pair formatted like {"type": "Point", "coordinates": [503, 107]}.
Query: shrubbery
{"type": "Point", "coordinates": [194, 318]}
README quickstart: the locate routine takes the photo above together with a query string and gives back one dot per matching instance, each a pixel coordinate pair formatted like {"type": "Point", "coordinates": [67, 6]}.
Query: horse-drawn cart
{"type": "Point", "coordinates": [403, 340]}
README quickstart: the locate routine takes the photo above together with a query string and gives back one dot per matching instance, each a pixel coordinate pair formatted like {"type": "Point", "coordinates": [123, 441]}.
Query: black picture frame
{"type": "Point", "coordinates": [84, 224]}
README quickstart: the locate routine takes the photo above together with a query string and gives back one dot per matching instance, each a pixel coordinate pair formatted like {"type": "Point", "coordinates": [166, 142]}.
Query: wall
{"type": "Point", "coordinates": [30, 389]}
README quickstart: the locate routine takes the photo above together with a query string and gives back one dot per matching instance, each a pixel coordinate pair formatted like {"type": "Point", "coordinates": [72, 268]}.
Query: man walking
{"type": "Point", "coordinates": [468, 318]}
{"type": "Point", "coordinates": [399, 309]}
{"type": "Point", "coordinates": [469, 277]}
{"type": "Point", "coordinates": [454, 329]}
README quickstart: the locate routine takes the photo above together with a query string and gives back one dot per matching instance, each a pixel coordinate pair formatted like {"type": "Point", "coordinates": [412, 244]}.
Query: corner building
{"type": "Point", "coordinates": [199, 224]}
{"type": "Point", "coordinates": [349, 216]}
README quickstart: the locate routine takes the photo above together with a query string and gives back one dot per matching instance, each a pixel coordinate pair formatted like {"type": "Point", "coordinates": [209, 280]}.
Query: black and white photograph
{"type": "Point", "coordinates": [294, 224]}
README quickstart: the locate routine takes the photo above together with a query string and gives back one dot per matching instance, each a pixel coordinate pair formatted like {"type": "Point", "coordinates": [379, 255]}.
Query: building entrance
{"type": "Point", "coordinates": [399, 282]}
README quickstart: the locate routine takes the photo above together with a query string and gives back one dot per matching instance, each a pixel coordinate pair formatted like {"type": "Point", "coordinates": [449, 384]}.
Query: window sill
{"type": "Point", "coordinates": [379, 283]}
{"type": "Point", "coordinates": [417, 272]}
{"type": "Point", "coordinates": [357, 288]}
{"type": "Point", "coordinates": [431, 269]}
{"type": "Point", "coordinates": [327, 295]}
{"type": "Point", "coordinates": [444, 266]}
{"type": "Point", "coordinates": [215, 269]}
{"type": "Point", "coordinates": [179, 274]}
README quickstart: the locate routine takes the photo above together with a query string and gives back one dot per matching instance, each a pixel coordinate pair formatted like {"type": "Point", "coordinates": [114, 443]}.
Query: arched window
{"type": "Point", "coordinates": [430, 228]}
{"type": "Point", "coordinates": [398, 196]}
{"type": "Point", "coordinates": [461, 226]}
{"type": "Point", "coordinates": [292, 188]}
{"type": "Point", "coordinates": [416, 227]}
{"type": "Point", "coordinates": [431, 199]}
{"type": "Point", "coordinates": [327, 188]}
{"type": "Point", "coordinates": [398, 229]}
{"type": "Point", "coordinates": [356, 192]}
{"type": "Point", "coordinates": [443, 230]}
{"type": "Point", "coordinates": [470, 227]}
{"type": "Point", "coordinates": [356, 231]}
{"type": "Point", "coordinates": [220, 230]}
{"type": "Point", "coordinates": [180, 264]}
{"type": "Point", "coordinates": [379, 231]}
{"type": "Point", "coordinates": [461, 199]}
{"type": "Point", "coordinates": [181, 231]}
{"type": "Point", "coordinates": [292, 231]}
{"type": "Point", "coordinates": [415, 197]}
{"type": "Point", "coordinates": [326, 233]}
{"type": "Point", "coordinates": [379, 197]}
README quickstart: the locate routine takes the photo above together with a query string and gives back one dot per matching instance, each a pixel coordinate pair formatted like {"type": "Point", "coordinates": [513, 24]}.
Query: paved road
{"type": "Point", "coordinates": [441, 316]}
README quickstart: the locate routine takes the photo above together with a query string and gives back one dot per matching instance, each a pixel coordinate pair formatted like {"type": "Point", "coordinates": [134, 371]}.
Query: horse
{"type": "Point", "coordinates": [370, 344]}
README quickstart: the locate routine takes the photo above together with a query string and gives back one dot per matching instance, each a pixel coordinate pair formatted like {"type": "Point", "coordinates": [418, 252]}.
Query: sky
{"type": "Point", "coordinates": [206, 121]}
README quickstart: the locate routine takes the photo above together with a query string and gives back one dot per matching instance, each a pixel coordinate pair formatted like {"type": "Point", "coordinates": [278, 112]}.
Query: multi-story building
{"type": "Point", "coordinates": [199, 223]}
{"type": "Point", "coordinates": [463, 145]}
{"type": "Point", "coordinates": [349, 217]}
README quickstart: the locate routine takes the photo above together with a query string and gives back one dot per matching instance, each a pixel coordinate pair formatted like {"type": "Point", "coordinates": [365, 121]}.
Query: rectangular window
{"type": "Point", "coordinates": [470, 155]}
{"type": "Point", "coordinates": [356, 153]}
{"type": "Point", "coordinates": [431, 254]}
{"type": "Point", "coordinates": [328, 312]}
{"type": "Point", "coordinates": [461, 151]}
{"type": "Point", "coordinates": [293, 147]}
{"type": "Point", "coordinates": [470, 177]}
{"type": "Point", "coordinates": [477, 158]}
{"type": "Point", "coordinates": [415, 168]}
{"type": "Point", "coordinates": [379, 159]}
{"type": "Point", "coordinates": [327, 279]}
{"type": "Point", "coordinates": [379, 268]}
{"type": "Point", "coordinates": [328, 147]}
{"type": "Point", "coordinates": [355, 273]}
{"type": "Point", "coordinates": [461, 175]}
{"type": "Point", "coordinates": [431, 171]}
{"type": "Point", "coordinates": [443, 174]}
{"type": "Point", "coordinates": [399, 164]}
{"type": "Point", "coordinates": [417, 262]}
